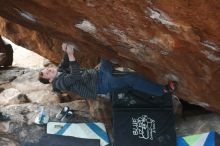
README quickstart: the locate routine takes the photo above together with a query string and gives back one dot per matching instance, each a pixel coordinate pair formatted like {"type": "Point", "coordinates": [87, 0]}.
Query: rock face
{"type": "Point", "coordinates": [40, 43]}
{"type": "Point", "coordinates": [37, 42]}
{"type": "Point", "coordinates": [22, 86]}
{"type": "Point", "coordinates": [161, 39]}
{"type": "Point", "coordinates": [21, 128]}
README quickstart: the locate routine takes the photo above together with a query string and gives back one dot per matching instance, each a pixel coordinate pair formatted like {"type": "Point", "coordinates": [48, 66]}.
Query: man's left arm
{"type": "Point", "coordinates": [64, 65]}
{"type": "Point", "coordinates": [75, 69]}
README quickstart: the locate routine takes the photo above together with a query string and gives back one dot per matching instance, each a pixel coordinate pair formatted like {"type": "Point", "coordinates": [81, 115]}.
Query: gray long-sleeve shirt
{"type": "Point", "coordinates": [75, 79]}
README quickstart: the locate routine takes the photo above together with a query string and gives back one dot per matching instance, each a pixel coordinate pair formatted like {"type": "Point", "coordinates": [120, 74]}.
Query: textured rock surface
{"type": "Point", "coordinates": [198, 124]}
{"type": "Point", "coordinates": [40, 43]}
{"type": "Point", "coordinates": [18, 81]}
{"type": "Point", "coordinates": [21, 128]}
{"type": "Point", "coordinates": [37, 42]}
{"type": "Point", "coordinates": [161, 39]}
{"type": "Point", "coordinates": [9, 96]}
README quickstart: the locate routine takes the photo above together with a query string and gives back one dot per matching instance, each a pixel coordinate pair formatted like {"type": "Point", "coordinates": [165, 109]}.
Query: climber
{"type": "Point", "coordinates": [89, 83]}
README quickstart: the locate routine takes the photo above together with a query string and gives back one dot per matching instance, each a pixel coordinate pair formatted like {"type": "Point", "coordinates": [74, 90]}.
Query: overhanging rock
{"type": "Point", "coordinates": [162, 39]}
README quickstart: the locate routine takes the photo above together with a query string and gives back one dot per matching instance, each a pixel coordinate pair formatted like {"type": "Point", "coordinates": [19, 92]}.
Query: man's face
{"type": "Point", "coordinates": [49, 73]}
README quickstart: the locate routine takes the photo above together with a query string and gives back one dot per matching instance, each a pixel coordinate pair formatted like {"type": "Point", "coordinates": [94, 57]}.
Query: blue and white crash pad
{"type": "Point", "coordinates": [80, 130]}
{"type": "Point", "coordinates": [205, 139]}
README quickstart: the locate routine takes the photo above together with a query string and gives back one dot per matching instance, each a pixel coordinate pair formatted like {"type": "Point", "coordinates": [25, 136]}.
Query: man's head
{"type": "Point", "coordinates": [47, 75]}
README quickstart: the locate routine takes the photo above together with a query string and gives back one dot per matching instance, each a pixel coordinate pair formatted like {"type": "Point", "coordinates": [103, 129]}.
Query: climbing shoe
{"type": "Point", "coordinates": [171, 87]}
{"type": "Point", "coordinates": [63, 112]}
{"type": "Point", "coordinates": [68, 116]}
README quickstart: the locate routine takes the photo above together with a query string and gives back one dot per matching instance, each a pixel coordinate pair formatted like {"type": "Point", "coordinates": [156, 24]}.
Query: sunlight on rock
{"type": "Point", "coordinates": [24, 57]}
{"type": "Point", "coordinates": [28, 16]}
{"type": "Point", "coordinates": [86, 26]}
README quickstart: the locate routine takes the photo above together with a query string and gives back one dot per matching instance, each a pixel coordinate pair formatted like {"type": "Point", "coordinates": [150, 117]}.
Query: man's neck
{"type": "Point", "coordinates": [55, 76]}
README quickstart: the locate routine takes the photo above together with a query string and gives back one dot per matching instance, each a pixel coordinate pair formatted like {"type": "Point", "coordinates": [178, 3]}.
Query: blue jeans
{"type": "Point", "coordinates": [108, 83]}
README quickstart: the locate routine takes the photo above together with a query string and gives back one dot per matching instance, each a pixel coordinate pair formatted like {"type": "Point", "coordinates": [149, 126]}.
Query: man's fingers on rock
{"type": "Point", "coordinates": [71, 47]}
{"type": "Point", "coordinates": [64, 46]}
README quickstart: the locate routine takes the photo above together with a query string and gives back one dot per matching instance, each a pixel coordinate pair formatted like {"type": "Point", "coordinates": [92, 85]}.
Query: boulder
{"type": "Point", "coordinates": [9, 74]}
{"type": "Point", "coordinates": [20, 85]}
{"type": "Point", "coordinates": [12, 96]}
{"type": "Point", "coordinates": [21, 128]}
{"type": "Point", "coordinates": [161, 39]}
{"type": "Point", "coordinates": [28, 84]}
{"type": "Point", "coordinates": [43, 97]}
{"type": "Point", "coordinates": [9, 96]}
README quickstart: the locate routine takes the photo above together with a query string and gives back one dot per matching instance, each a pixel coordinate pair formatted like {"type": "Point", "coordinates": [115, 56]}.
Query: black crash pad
{"type": "Point", "coordinates": [57, 140]}
{"type": "Point", "coordinates": [142, 120]}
